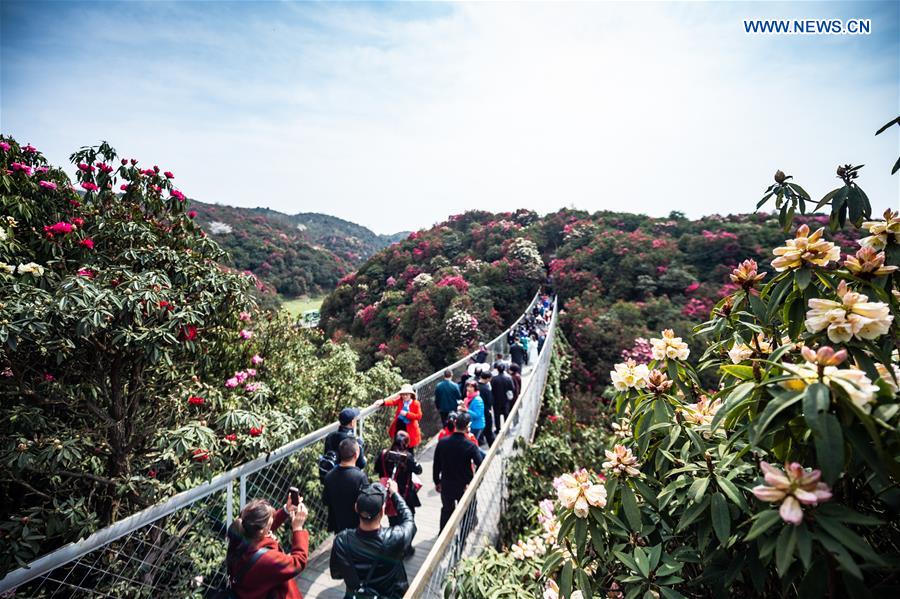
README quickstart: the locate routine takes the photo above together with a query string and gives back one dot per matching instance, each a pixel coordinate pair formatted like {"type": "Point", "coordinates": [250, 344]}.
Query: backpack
{"type": "Point", "coordinates": [327, 462]}
{"type": "Point", "coordinates": [228, 592]}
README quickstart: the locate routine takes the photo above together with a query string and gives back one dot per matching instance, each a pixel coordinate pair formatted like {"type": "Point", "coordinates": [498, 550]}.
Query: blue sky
{"type": "Point", "coordinates": [397, 115]}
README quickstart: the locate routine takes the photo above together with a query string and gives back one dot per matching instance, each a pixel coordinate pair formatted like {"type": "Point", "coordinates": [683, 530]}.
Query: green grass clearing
{"type": "Point", "coordinates": [296, 307]}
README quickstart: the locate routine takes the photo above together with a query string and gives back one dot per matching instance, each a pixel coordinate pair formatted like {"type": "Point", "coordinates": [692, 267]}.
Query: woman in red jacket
{"type": "Point", "coordinates": [257, 567]}
{"type": "Point", "coordinates": [409, 412]}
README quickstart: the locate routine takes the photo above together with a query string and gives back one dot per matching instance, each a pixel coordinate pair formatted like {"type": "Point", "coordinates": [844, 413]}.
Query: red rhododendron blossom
{"type": "Point", "coordinates": [47, 184]}
{"type": "Point", "coordinates": [177, 194]}
{"type": "Point", "coordinates": [255, 431]}
{"type": "Point", "coordinates": [78, 222]}
{"type": "Point", "coordinates": [88, 186]}
{"type": "Point", "coordinates": [195, 400]}
{"type": "Point", "coordinates": [200, 455]}
{"type": "Point", "coordinates": [59, 228]}
{"type": "Point", "coordinates": [232, 437]}
{"type": "Point", "coordinates": [152, 473]}
{"type": "Point", "coordinates": [4, 146]}
{"type": "Point", "coordinates": [29, 149]}
{"type": "Point", "coordinates": [87, 242]}
{"type": "Point", "coordinates": [49, 377]}
{"type": "Point", "coordinates": [123, 187]}
{"type": "Point", "coordinates": [454, 281]}
{"type": "Point", "coordinates": [188, 333]}
{"type": "Point", "coordinates": [86, 272]}
{"type": "Point", "coordinates": [148, 172]}
{"type": "Point", "coordinates": [192, 214]}
{"type": "Point", "coordinates": [87, 168]}
{"type": "Point", "coordinates": [169, 175]}
{"type": "Point", "coordinates": [104, 167]}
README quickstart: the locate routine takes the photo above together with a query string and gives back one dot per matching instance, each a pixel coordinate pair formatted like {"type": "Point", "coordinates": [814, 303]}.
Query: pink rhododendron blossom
{"type": "Point", "coordinates": [60, 228]}
{"type": "Point", "coordinates": [793, 487]}
{"type": "Point", "coordinates": [88, 186]}
{"type": "Point", "coordinates": [47, 184]}
{"type": "Point", "coordinates": [4, 146]}
{"type": "Point", "coordinates": [256, 360]}
{"type": "Point", "coordinates": [123, 187]}
{"type": "Point", "coordinates": [251, 371]}
{"type": "Point", "coordinates": [149, 172]}
{"type": "Point", "coordinates": [29, 149]}
{"type": "Point", "coordinates": [104, 167]}
{"type": "Point", "coordinates": [692, 287]}
{"type": "Point", "coordinates": [19, 167]}
{"type": "Point", "coordinates": [49, 377]}
{"type": "Point", "coordinates": [244, 316]}
{"type": "Point", "coordinates": [252, 387]}
{"type": "Point", "coordinates": [192, 214]}
{"type": "Point", "coordinates": [245, 334]}
{"type": "Point", "coordinates": [42, 169]}
{"type": "Point", "coordinates": [232, 383]}
{"type": "Point", "coordinates": [87, 272]}
{"type": "Point", "coordinates": [87, 242]}
{"type": "Point", "coordinates": [169, 175]}
{"type": "Point", "coordinates": [177, 194]}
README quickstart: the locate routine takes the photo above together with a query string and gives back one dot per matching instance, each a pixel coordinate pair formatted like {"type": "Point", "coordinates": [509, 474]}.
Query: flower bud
{"type": "Point", "coordinates": [779, 177]}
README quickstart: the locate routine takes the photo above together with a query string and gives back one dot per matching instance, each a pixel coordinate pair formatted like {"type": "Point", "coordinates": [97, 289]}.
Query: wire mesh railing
{"type": "Point", "coordinates": [177, 548]}
{"type": "Point", "coordinates": [475, 521]}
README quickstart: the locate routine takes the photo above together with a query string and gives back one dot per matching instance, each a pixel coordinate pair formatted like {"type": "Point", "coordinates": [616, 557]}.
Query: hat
{"type": "Point", "coordinates": [347, 415]}
{"type": "Point", "coordinates": [407, 388]}
{"type": "Point", "coordinates": [370, 501]}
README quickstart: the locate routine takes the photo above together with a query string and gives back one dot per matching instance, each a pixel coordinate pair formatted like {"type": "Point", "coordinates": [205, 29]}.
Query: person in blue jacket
{"type": "Point", "coordinates": [475, 406]}
{"type": "Point", "coordinates": [446, 396]}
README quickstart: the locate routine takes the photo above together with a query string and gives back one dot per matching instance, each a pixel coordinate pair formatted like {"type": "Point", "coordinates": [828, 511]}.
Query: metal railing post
{"type": "Point", "coordinates": [243, 491]}
{"type": "Point", "coordinates": [229, 505]}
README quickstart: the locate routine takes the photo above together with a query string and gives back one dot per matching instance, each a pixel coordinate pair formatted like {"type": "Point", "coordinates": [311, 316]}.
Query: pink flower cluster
{"type": "Point", "coordinates": [697, 308]}
{"type": "Point", "coordinates": [47, 184]}
{"type": "Point", "coordinates": [60, 228]}
{"type": "Point", "coordinates": [19, 167]}
{"type": "Point", "coordinates": [456, 281]}
{"type": "Point", "coordinates": [367, 314]}
{"type": "Point", "coordinates": [245, 334]}
{"type": "Point", "coordinates": [240, 377]}
{"type": "Point", "coordinates": [641, 353]}
{"type": "Point", "coordinates": [256, 360]}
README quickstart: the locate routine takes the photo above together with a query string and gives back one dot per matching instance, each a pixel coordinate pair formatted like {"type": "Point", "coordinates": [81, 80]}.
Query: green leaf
{"type": "Point", "coordinates": [732, 492]}
{"type": "Point", "coordinates": [721, 517]}
{"type": "Point", "coordinates": [815, 400]}
{"type": "Point", "coordinates": [772, 409]}
{"type": "Point", "coordinates": [698, 488]}
{"type": "Point", "coordinates": [784, 549]}
{"type": "Point", "coordinates": [802, 276]}
{"type": "Point", "coordinates": [829, 441]}
{"type": "Point", "coordinates": [584, 583]}
{"type": "Point", "coordinates": [630, 507]}
{"type": "Point", "coordinates": [804, 545]}
{"type": "Point", "coordinates": [643, 561]}
{"type": "Point", "coordinates": [743, 373]}
{"type": "Point", "coordinates": [565, 579]}
{"type": "Point", "coordinates": [581, 537]}
{"type": "Point", "coordinates": [849, 539]}
{"type": "Point", "coordinates": [762, 522]}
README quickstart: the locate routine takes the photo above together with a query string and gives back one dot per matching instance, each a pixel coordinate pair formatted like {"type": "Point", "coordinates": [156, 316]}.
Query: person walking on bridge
{"type": "Point", "coordinates": [369, 559]}
{"type": "Point", "coordinates": [341, 487]}
{"type": "Point", "coordinates": [446, 396]}
{"type": "Point", "coordinates": [504, 392]}
{"type": "Point", "coordinates": [409, 413]}
{"type": "Point", "coordinates": [454, 458]}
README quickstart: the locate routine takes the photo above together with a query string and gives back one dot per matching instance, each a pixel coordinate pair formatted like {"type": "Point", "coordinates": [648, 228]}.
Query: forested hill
{"type": "Point", "coordinates": [433, 296]}
{"type": "Point", "coordinates": [297, 254]}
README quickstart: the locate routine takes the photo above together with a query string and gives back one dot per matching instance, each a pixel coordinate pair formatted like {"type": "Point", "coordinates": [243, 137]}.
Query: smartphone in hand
{"type": "Point", "coordinates": [295, 495]}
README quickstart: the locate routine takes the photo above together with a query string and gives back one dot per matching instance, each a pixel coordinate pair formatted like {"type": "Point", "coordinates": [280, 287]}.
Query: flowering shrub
{"type": "Point", "coordinates": [694, 503]}
{"type": "Point", "coordinates": [135, 366]}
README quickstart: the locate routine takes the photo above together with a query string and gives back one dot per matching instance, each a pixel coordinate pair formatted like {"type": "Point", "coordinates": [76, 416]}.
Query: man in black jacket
{"type": "Point", "coordinates": [370, 558]}
{"type": "Point", "coordinates": [487, 396]}
{"type": "Point", "coordinates": [453, 460]}
{"type": "Point", "coordinates": [504, 391]}
{"type": "Point", "coordinates": [518, 354]}
{"type": "Point", "coordinates": [346, 430]}
{"type": "Point", "coordinates": [342, 486]}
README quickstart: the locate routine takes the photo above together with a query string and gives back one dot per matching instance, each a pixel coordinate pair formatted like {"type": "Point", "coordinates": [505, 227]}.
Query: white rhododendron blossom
{"type": "Point", "coordinates": [669, 346]}
{"type": "Point", "coordinates": [740, 352]}
{"type": "Point", "coordinates": [529, 549]}
{"type": "Point", "coordinates": [890, 376]}
{"type": "Point", "coordinates": [882, 230]}
{"type": "Point", "coordinates": [793, 487]}
{"type": "Point", "coordinates": [805, 250]}
{"type": "Point", "coordinates": [853, 316]}
{"type": "Point", "coordinates": [421, 280]}
{"type": "Point", "coordinates": [702, 412]}
{"type": "Point", "coordinates": [854, 382]}
{"type": "Point", "coordinates": [621, 461]}
{"type": "Point", "coordinates": [629, 375]}
{"type": "Point", "coordinates": [31, 268]}
{"type": "Point", "coordinates": [577, 492]}
{"type": "Point", "coordinates": [218, 228]}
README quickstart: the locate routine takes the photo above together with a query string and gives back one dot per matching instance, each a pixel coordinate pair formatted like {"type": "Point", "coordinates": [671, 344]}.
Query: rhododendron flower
{"type": "Point", "coordinates": [59, 228]}
{"type": "Point", "coordinates": [255, 431]}
{"type": "Point", "coordinates": [577, 492]}
{"type": "Point", "coordinates": [669, 346]}
{"type": "Point", "coordinates": [4, 146]}
{"type": "Point", "coordinates": [245, 334]}
{"type": "Point", "coordinates": [629, 375]}
{"type": "Point", "coordinates": [49, 377]}
{"type": "Point", "coordinates": [251, 372]}
{"type": "Point", "coordinates": [104, 167]}
{"type": "Point", "coordinates": [29, 149]}
{"type": "Point", "coordinates": [87, 242]}
{"type": "Point", "coordinates": [805, 249]}
{"type": "Point", "coordinates": [621, 461]}
{"type": "Point", "coordinates": [622, 429]}
{"type": "Point", "coordinates": [854, 382]}
{"type": "Point", "coordinates": [18, 166]}
{"type": "Point", "coordinates": [853, 316]}
{"type": "Point", "coordinates": [692, 287]}
{"type": "Point", "coordinates": [702, 412]}
{"type": "Point", "coordinates": [252, 387]}
{"type": "Point", "coordinates": [868, 261]}
{"type": "Point", "coordinates": [890, 376]}
{"type": "Point", "coordinates": [658, 382]}
{"type": "Point", "coordinates": [123, 187]}
{"type": "Point", "coordinates": [200, 455]}
{"type": "Point", "coordinates": [195, 400]}
{"type": "Point", "coordinates": [152, 473]}
{"type": "Point", "coordinates": [882, 230]}
{"type": "Point", "coordinates": [746, 274]}
{"type": "Point", "coordinates": [256, 360]}
{"type": "Point", "coordinates": [231, 437]}
{"type": "Point", "coordinates": [189, 332]}
{"type": "Point", "coordinates": [87, 185]}
{"type": "Point", "coordinates": [533, 547]}
{"type": "Point", "coordinates": [232, 383]}
{"type": "Point", "coordinates": [47, 184]}
{"type": "Point", "coordinates": [192, 214]}
{"type": "Point", "coordinates": [149, 172]}
{"type": "Point", "coordinates": [177, 194]}
{"type": "Point", "coordinates": [793, 487]}
{"type": "Point", "coordinates": [86, 272]}
{"type": "Point", "coordinates": [78, 222]}
{"type": "Point", "coordinates": [244, 316]}
{"type": "Point", "coordinates": [169, 175]}
{"type": "Point", "coordinates": [31, 268]}
{"type": "Point", "coordinates": [741, 351]}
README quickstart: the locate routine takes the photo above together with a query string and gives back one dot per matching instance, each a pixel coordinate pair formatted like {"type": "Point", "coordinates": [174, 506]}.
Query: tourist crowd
{"type": "Point", "coordinates": [366, 555]}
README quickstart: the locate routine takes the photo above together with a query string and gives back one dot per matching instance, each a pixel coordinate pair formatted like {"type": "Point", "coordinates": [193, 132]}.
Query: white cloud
{"type": "Point", "coordinates": [396, 123]}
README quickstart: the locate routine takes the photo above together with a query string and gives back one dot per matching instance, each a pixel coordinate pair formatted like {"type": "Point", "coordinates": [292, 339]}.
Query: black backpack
{"type": "Point", "coordinates": [327, 463]}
